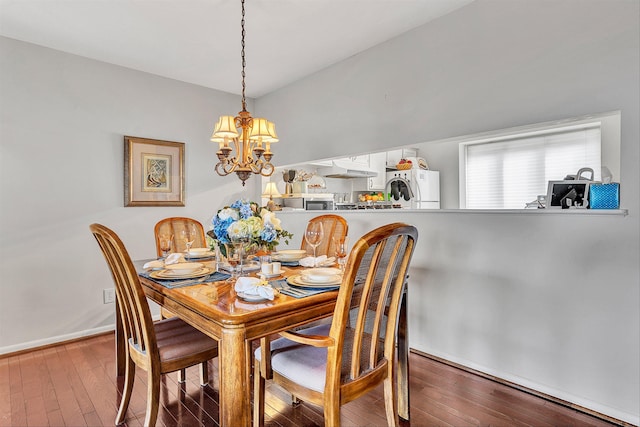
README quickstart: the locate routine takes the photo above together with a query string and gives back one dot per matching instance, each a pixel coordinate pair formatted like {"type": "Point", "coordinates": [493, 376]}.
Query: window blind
{"type": "Point", "coordinates": [509, 172]}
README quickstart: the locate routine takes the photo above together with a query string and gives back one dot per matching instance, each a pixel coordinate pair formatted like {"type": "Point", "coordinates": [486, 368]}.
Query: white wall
{"type": "Point", "coordinates": [61, 168]}
{"type": "Point", "coordinates": [550, 301]}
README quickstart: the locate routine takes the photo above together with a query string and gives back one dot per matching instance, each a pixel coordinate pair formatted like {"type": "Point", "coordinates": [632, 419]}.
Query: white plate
{"type": "Point", "coordinates": [183, 267]}
{"type": "Point", "coordinates": [270, 275]}
{"type": "Point", "coordinates": [253, 298]}
{"type": "Point", "coordinates": [298, 280]}
{"type": "Point", "coordinates": [252, 266]}
{"type": "Point", "coordinates": [165, 274]}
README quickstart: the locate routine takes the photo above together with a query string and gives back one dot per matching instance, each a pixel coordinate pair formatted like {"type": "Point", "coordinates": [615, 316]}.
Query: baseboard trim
{"type": "Point", "coordinates": [13, 350]}
{"type": "Point", "coordinates": [526, 389]}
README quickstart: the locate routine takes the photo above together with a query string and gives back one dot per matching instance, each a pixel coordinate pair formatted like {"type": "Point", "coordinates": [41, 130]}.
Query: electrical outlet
{"type": "Point", "coordinates": [108, 296]}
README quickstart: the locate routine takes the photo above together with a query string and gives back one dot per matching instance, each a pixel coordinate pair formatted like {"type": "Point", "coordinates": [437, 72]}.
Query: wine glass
{"type": "Point", "coordinates": [341, 251]}
{"type": "Point", "coordinates": [189, 234]}
{"type": "Point", "coordinates": [314, 236]}
{"type": "Point", "coordinates": [165, 244]}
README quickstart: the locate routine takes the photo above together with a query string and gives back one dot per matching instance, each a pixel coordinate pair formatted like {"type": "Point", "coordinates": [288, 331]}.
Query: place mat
{"type": "Point", "coordinates": [284, 288]}
{"type": "Point", "coordinates": [171, 284]}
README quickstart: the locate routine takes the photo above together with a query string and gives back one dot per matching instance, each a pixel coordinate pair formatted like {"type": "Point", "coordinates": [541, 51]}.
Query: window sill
{"type": "Point", "coordinates": [586, 212]}
{"type": "Point", "coordinates": [589, 212]}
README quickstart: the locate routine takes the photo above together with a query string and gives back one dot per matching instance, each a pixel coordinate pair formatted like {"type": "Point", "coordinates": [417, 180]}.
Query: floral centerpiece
{"type": "Point", "coordinates": [244, 219]}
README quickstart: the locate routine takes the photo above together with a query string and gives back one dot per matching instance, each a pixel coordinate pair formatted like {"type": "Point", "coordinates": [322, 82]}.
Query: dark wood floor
{"type": "Point", "coordinates": [73, 384]}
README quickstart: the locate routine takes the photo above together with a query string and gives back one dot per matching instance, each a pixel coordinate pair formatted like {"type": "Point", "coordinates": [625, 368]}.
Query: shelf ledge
{"type": "Point", "coordinates": [587, 212]}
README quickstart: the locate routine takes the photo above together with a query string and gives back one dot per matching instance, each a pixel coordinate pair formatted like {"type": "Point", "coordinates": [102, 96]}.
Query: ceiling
{"type": "Point", "coordinates": [198, 41]}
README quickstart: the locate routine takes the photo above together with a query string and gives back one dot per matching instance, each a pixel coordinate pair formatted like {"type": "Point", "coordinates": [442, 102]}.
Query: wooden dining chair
{"type": "Point", "coordinates": [165, 346]}
{"type": "Point", "coordinates": [173, 226]}
{"type": "Point", "coordinates": [332, 364]}
{"type": "Point", "coordinates": [335, 228]}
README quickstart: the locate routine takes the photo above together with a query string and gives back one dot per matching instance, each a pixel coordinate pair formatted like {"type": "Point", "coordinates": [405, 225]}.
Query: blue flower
{"type": "Point", "coordinates": [247, 218]}
{"type": "Point", "coordinates": [268, 233]}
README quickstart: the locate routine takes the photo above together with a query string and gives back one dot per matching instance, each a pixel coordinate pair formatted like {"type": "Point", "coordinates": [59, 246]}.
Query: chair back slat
{"type": "Point", "coordinates": [366, 315]}
{"type": "Point", "coordinates": [335, 227]}
{"type": "Point", "coordinates": [134, 309]}
{"type": "Point", "coordinates": [174, 226]}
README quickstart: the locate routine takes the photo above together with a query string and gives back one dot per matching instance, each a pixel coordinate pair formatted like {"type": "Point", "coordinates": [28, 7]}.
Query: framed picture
{"type": "Point", "coordinates": [153, 172]}
{"type": "Point", "coordinates": [568, 194]}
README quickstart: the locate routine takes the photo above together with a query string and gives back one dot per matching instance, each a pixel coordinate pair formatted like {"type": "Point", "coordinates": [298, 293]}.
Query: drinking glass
{"type": "Point", "coordinates": [314, 236]}
{"type": "Point", "coordinates": [236, 250]}
{"type": "Point", "coordinates": [165, 244]}
{"type": "Point", "coordinates": [189, 235]}
{"type": "Point", "coordinates": [341, 251]}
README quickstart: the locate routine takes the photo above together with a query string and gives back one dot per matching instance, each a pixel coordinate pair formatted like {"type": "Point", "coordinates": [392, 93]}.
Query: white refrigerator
{"type": "Point", "coordinates": [424, 188]}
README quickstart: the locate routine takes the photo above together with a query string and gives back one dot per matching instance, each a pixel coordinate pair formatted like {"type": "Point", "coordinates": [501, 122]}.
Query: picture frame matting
{"type": "Point", "coordinates": [153, 172]}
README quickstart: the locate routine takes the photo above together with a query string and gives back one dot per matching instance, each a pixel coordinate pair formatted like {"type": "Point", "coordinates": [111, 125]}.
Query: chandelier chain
{"type": "Point", "coordinates": [244, 102]}
{"type": "Point", "coordinates": [253, 144]}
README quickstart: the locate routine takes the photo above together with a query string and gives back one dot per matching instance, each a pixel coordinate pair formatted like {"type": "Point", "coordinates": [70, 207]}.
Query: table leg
{"type": "Point", "coordinates": [403, 360]}
{"type": "Point", "coordinates": [235, 399]}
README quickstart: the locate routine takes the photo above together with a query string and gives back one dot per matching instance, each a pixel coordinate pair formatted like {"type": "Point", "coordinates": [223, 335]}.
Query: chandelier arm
{"type": "Point", "coordinates": [236, 146]}
{"type": "Point", "coordinates": [256, 166]}
{"type": "Point", "coordinates": [221, 170]}
{"type": "Point", "coordinates": [267, 169]}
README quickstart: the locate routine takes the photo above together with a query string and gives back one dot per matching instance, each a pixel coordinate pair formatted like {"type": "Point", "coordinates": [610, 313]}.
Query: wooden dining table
{"type": "Point", "coordinates": [215, 309]}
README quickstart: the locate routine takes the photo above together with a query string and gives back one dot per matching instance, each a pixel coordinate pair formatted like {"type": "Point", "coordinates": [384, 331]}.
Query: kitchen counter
{"type": "Point", "coordinates": [306, 196]}
{"type": "Point", "coordinates": [586, 212]}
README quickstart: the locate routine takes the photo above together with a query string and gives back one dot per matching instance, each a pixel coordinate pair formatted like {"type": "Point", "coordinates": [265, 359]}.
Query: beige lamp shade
{"type": "Point", "coordinates": [260, 129]}
{"type": "Point", "coordinates": [226, 126]}
{"type": "Point", "coordinates": [273, 137]}
{"type": "Point", "coordinates": [271, 190]}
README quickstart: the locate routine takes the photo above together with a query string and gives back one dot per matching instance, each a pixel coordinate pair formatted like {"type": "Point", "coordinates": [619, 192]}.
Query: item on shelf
{"type": "Point", "coordinates": [604, 196]}
{"type": "Point", "coordinates": [404, 164]}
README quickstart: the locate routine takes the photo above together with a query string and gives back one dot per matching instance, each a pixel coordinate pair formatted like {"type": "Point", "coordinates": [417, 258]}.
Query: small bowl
{"type": "Point", "coordinates": [290, 254]}
{"type": "Point", "coordinates": [183, 267]}
{"type": "Point", "coordinates": [199, 251]}
{"type": "Point", "coordinates": [321, 274]}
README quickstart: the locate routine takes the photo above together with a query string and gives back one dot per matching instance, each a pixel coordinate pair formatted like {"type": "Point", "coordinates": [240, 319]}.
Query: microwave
{"type": "Point", "coordinates": [318, 204]}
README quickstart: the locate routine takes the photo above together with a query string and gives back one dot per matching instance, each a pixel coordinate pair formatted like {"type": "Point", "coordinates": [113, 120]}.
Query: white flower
{"type": "Point", "coordinates": [270, 218]}
{"type": "Point", "coordinates": [238, 229]}
{"type": "Point", "coordinates": [229, 213]}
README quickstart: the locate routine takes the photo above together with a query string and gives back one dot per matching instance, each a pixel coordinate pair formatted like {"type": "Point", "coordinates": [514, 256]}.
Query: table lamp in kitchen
{"type": "Point", "coordinates": [271, 191]}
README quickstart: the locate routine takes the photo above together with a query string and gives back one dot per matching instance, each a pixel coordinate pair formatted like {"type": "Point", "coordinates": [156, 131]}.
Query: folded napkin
{"type": "Point", "coordinates": [254, 286]}
{"type": "Point", "coordinates": [320, 261]}
{"type": "Point", "coordinates": [170, 259]}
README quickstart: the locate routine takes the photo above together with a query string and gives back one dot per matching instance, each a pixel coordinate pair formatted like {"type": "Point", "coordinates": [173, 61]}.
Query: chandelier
{"type": "Point", "coordinates": [244, 142]}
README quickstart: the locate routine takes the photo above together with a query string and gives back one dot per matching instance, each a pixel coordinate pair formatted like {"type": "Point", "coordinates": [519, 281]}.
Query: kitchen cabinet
{"type": "Point", "coordinates": [362, 160]}
{"type": "Point", "coordinates": [377, 163]}
{"type": "Point", "coordinates": [394, 156]}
